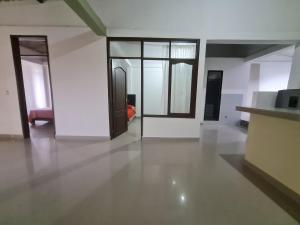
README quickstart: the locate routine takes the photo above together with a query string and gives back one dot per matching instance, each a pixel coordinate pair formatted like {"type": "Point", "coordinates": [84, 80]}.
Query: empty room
{"type": "Point", "coordinates": [149, 112]}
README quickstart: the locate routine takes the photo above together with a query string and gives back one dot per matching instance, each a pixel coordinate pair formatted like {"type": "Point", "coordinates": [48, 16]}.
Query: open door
{"type": "Point", "coordinates": [119, 102]}
{"type": "Point", "coordinates": [31, 60]}
{"type": "Point", "coordinates": [20, 85]}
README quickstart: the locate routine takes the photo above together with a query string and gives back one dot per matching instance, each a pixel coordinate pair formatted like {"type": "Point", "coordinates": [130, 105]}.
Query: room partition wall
{"type": "Point", "coordinates": [169, 70]}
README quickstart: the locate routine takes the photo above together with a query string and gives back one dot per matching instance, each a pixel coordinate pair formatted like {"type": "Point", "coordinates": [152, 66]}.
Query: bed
{"type": "Point", "coordinates": [131, 110]}
{"type": "Point", "coordinates": [45, 114]}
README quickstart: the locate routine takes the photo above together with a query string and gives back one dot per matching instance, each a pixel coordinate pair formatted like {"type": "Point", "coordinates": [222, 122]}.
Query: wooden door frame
{"type": "Point", "coordinates": [20, 81]}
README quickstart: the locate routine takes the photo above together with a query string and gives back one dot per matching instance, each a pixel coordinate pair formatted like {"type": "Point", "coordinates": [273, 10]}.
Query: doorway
{"type": "Point", "coordinates": [126, 97]}
{"type": "Point", "coordinates": [31, 60]}
{"type": "Point", "coordinates": [213, 95]}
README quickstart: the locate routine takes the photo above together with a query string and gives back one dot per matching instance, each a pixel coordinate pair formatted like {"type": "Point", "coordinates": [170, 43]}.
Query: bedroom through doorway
{"type": "Point", "coordinates": [126, 97]}
{"type": "Point", "coordinates": [32, 69]}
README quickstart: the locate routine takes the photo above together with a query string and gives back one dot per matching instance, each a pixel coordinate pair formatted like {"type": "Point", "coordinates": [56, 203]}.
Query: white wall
{"type": "Point", "coordinates": [235, 74]}
{"type": "Point", "coordinates": [246, 78]}
{"type": "Point", "coordinates": [274, 76]}
{"type": "Point", "coordinates": [235, 81]}
{"type": "Point", "coordinates": [264, 99]}
{"type": "Point", "coordinates": [294, 80]}
{"type": "Point", "coordinates": [214, 20]}
{"type": "Point", "coordinates": [79, 81]}
{"type": "Point", "coordinates": [35, 81]}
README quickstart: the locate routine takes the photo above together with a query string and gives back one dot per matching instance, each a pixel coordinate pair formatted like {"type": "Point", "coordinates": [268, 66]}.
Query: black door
{"type": "Point", "coordinates": [213, 95]}
{"type": "Point", "coordinates": [119, 102]}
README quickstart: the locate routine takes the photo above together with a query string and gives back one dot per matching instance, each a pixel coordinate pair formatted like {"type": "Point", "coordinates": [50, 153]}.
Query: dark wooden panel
{"type": "Point", "coordinates": [20, 85]}
{"type": "Point", "coordinates": [119, 94]}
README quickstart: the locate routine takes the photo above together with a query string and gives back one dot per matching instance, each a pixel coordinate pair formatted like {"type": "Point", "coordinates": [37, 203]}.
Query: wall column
{"type": "Point", "coordinates": [294, 80]}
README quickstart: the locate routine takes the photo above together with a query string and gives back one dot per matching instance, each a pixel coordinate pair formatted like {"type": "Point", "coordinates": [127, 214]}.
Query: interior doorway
{"type": "Point", "coordinates": [213, 95]}
{"type": "Point", "coordinates": [125, 97]}
{"type": "Point", "coordinates": [31, 60]}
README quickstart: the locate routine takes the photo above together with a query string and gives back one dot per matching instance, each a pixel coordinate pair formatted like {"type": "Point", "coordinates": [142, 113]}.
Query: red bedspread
{"type": "Point", "coordinates": [131, 112]}
{"type": "Point", "coordinates": [41, 114]}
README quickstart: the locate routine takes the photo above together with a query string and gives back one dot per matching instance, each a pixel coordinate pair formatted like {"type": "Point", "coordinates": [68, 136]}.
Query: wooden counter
{"type": "Point", "coordinates": [273, 144]}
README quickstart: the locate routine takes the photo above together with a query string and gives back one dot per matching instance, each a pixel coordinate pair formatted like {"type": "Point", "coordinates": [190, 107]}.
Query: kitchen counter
{"type": "Point", "coordinates": [273, 145]}
{"type": "Point", "coordinates": [289, 114]}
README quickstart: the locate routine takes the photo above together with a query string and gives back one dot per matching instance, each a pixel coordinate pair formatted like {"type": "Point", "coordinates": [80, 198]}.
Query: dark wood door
{"type": "Point", "coordinates": [20, 85]}
{"type": "Point", "coordinates": [213, 95]}
{"type": "Point", "coordinates": [119, 101]}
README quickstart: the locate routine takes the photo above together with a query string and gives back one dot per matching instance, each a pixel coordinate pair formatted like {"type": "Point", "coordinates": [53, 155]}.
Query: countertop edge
{"type": "Point", "coordinates": [270, 112]}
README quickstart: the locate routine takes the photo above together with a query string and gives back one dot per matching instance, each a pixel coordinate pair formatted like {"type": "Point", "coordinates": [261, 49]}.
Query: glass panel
{"type": "Point", "coordinates": [125, 48]}
{"type": "Point", "coordinates": [33, 46]}
{"type": "Point", "coordinates": [183, 50]}
{"type": "Point", "coordinates": [181, 87]}
{"type": "Point", "coordinates": [156, 75]}
{"type": "Point", "coordinates": [156, 49]}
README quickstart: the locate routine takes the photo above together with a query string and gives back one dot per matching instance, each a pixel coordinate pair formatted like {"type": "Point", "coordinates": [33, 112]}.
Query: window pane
{"type": "Point", "coordinates": [125, 48]}
{"type": "Point", "coordinates": [156, 49]}
{"type": "Point", "coordinates": [181, 88]}
{"type": "Point", "coordinates": [183, 50]}
{"type": "Point", "coordinates": [156, 87]}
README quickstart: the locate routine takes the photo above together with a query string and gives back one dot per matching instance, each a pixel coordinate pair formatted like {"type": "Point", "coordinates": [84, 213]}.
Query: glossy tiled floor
{"type": "Point", "coordinates": [127, 181]}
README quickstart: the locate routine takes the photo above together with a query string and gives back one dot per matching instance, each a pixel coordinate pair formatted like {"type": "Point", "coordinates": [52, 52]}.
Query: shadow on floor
{"type": "Point", "coordinates": [285, 202]}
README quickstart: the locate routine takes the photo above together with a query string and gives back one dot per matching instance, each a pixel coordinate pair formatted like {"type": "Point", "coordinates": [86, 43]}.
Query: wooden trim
{"type": "Point", "coordinates": [109, 89]}
{"type": "Point", "coordinates": [122, 57]}
{"type": "Point", "coordinates": [20, 80]}
{"type": "Point", "coordinates": [142, 89]}
{"type": "Point", "coordinates": [149, 39]}
{"type": "Point", "coordinates": [157, 59]}
{"type": "Point", "coordinates": [20, 85]}
{"type": "Point", "coordinates": [172, 115]}
{"type": "Point", "coordinates": [33, 55]}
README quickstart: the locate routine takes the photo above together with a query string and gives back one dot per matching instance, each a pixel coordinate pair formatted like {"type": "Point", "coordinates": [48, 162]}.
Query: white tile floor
{"type": "Point", "coordinates": [128, 181]}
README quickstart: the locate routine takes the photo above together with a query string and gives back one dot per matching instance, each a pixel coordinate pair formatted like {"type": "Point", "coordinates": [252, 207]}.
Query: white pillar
{"type": "Point", "coordinates": [253, 85]}
{"type": "Point", "coordinates": [294, 80]}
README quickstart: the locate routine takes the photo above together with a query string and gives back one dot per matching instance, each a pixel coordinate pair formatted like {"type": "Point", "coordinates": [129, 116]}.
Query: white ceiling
{"type": "Point", "coordinates": [185, 18]}
{"type": "Point", "coordinates": [199, 15]}
{"type": "Point", "coordinates": [32, 13]}
{"type": "Point", "coordinates": [283, 55]}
